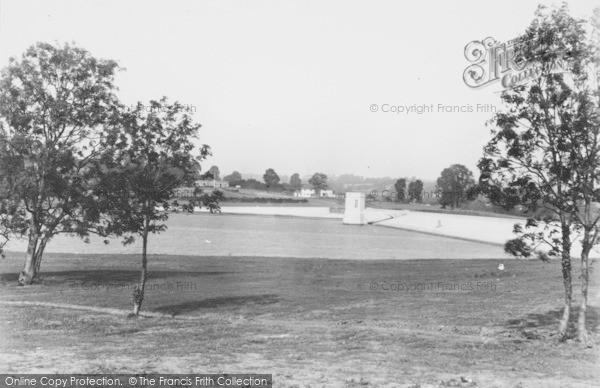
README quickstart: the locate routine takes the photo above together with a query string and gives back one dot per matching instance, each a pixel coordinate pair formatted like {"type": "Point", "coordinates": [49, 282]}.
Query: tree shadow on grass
{"type": "Point", "coordinates": [106, 276]}
{"type": "Point", "coordinates": [225, 301]}
{"type": "Point", "coordinates": [549, 321]}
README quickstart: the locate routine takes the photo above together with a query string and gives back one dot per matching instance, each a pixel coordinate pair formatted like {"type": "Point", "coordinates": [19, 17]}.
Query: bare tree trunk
{"type": "Point", "coordinates": [138, 293]}
{"type": "Point", "coordinates": [41, 248]}
{"type": "Point", "coordinates": [587, 244]}
{"type": "Point", "coordinates": [567, 280]}
{"type": "Point", "coordinates": [35, 250]}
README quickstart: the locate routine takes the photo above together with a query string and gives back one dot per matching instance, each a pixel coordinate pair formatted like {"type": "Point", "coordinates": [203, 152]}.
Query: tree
{"type": "Point", "coordinates": [319, 182]}
{"type": "Point", "coordinates": [198, 171]}
{"type": "Point", "coordinates": [545, 150]}
{"type": "Point", "coordinates": [415, 191]}
{"type": "Point", "coordinates": [455, 185]}
{"type": "Point", "coordinates": [253, 184]}
{"type": "Point", "coordinates": [234, 176]}
{"type": "Point", "coordinates": [211, 174]}
{"type": "Point", "coordinates": [239, 182]}
{"type": "Point", "coordinates": [400, 187]}
{"type": "Point", "coordinates": [271, 178]}
{"type": "Point", "coordinates": [56, 103]}
{"type": "Point", "coordinates": [214, 171]}
{"type": "Point", "coordinates": [149, 157]}
{"type": "Point", "coordinates": [295, 182]}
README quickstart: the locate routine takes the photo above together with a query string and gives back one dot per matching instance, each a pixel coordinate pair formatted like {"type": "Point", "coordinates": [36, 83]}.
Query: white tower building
{"type": "Point", "coordinates": [354, 211]}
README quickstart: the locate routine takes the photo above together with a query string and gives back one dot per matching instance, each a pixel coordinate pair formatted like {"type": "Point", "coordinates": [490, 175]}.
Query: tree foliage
{"type": "Point", "coordinates": [400, 187]}
{"type": "Point", "coordinates": [545, 150]}
{"type": "Point", "coordinates": [74, 160]}
{"type": "Point", "coordinates": [455, 185]}
{"type": "Point", "coordinates": [149, 156]}
{"type": "Point", "coordinates": [295, 182]}
{"type": "Point", "coordinates": [234, 176]}
{"type": "Point", "coordinates": [319, 182]}
{"type": "Point", "coordinates": [214, 172]}
{"type": "Point", "coordinates": [415, 191]}
{"type": "Point", "coordinates": [56, 105]}
{"type": "Point", "coordinates": [271, 178]}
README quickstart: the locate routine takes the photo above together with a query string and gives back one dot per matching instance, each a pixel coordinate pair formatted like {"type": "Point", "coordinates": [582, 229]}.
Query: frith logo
{"type": "Point", "coordinates": [493, 61]}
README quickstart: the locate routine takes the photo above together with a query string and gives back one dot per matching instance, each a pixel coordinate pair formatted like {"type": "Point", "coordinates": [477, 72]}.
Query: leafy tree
{"type": "Point", "coordinates": [234, 176]}
{"type": "Point", "coordinates": [238, 182]}
{"type": "Point", "coordinates": [400, 187]}
{"type": "Point", "coordinates": [295, 182]}
{"type": "Point", "coordinates": [211, 201]}
{"type": "Point", "coordinates": [56, 103]}
{"type": "Point", "coordinates": [214, 171]}
{"type": "Point", "coordinates": [211, 174]}
{"type": "Point", "coordinates": [253, 184]}
{"type": "Point", "coordinates": [198, 171]}
{"type": "Point", "coordinates": [271, 178]}
{"type": "Point", "coordinates": [545, 149]}
{"type": "Point", "coordinates": [150, 155]}
{"type": "Point", "coordinates": [319, 182]}
{"type": "Point", "coordinates": [455, 185]}
{"type": "Point", "coordinates": [415, 191]}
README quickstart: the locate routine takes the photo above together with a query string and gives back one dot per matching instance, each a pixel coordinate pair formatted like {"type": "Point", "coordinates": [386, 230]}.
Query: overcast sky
{"type": "Point", "coordinates": [289, 84]}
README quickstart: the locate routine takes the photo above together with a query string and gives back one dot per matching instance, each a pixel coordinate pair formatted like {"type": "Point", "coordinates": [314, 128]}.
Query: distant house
{"type": "Point", "coordinates": [215, 184]}
{"type": "Point", "coordinates": [307, 192]}
{"type": "Point", "coordinates": [328, 194]}
{"type": "Point", "coordinates": [182, 192]}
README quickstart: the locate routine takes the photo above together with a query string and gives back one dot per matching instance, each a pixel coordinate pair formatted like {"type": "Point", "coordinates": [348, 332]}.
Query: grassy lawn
{"type": "Point", "coordinates": [309, 322]}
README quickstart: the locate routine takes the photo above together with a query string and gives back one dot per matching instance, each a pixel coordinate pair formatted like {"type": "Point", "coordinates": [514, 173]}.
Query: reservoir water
{"type": "Point", "coordinates": [243, 235]}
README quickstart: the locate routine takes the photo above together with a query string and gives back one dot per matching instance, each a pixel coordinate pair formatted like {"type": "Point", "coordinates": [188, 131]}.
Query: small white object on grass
{"type": "Point", "coordinates": [207, 241]}
{"type": "Point", "coordinates": [501, 267]}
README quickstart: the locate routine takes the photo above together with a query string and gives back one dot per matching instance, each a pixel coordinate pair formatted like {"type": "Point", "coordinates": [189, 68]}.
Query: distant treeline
{"type": "Point", "coordinates": [259, 200]}
{"type": "Point", "coordinates": [253, 184]}
{"type": "Point", "coordinates": [268, 200]}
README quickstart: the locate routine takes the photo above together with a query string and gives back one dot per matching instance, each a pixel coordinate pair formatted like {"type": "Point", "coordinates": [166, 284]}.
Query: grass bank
{"type": "Point", "coordinates": [309, 322]}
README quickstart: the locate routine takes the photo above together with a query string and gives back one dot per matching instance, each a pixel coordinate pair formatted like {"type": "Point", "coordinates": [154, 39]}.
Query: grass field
{"type": "Point", "coordinates": [309, 322]}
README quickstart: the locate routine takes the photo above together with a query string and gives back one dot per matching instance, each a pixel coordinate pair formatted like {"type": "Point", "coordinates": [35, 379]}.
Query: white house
{"type": "Point", "coordinates": [327, 194]}
{"type": "Point", "coordinates": [304, 193]}
{"type": "Point", "coordinates": [189, 191]}
{"type": "Point", "coordinates": [181, 192]}
{"type": "Point", "coordinates": [215, 184]}
{"type": "Point", "coordinates": [311, 193]}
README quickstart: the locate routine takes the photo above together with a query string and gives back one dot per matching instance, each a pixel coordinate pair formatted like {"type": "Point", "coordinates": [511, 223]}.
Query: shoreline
{"type": "Point", "coordinates": [253, 257]}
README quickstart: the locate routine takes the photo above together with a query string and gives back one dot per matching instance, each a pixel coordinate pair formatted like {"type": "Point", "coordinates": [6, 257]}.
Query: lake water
{"type": "Point", "coordinates": [241, 235]}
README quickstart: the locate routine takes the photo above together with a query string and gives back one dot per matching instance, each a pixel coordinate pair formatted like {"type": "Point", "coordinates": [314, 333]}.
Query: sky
{"type": "Point", "coordinates": [298, 86]}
